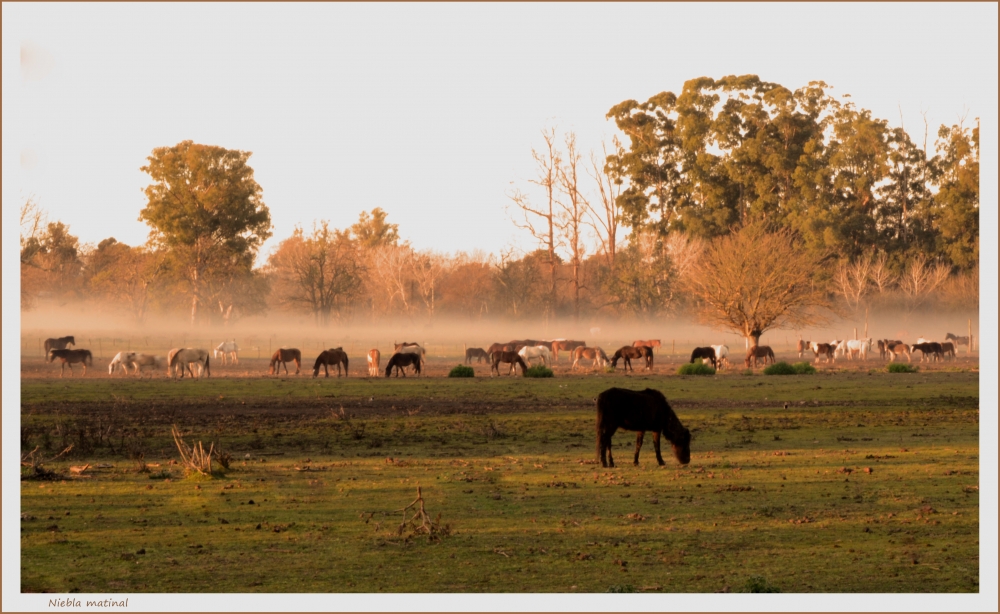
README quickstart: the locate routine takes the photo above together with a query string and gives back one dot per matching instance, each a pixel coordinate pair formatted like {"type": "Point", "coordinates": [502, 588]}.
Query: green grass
{"type": "Point", "coordinates": [901, 367]}
{"type": "Point", "coordinates": [695, 368]}
{"type": "Point", "coordinates": [462, 371]}
{"type": "Point", "coordinates": [778, 492]}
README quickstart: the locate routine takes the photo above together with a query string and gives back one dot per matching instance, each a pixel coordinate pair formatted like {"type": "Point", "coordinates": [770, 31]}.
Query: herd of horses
{"type": "Point", "coordinates": [887, 348]}
{"type": "Point", "coordinates": [521, 353]}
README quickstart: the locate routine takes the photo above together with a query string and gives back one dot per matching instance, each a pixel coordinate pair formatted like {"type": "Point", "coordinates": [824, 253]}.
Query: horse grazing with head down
{"type": "Point", "coordinates": [122, 360]}
{"type": "Point", "coordinates": [627, 353]}
{"type": "Point", "coordinates": [705, 354]}
{"type": "Point", "coordinates": [179, 359]}
{"type": "Point", "coordinates": [328, 358]}
{"type": "Point", "coordinates": [71, 357]}
{"type": "Point", "coordinates": [721, 355]}
{"type": "Point", "coordinates": [758, 351]}
{"type": "Point", "coordinates": [596, 354]}
{"type": "Point", "coordinates": [401, 360]}
{"type": "Point", "coordinates": [535, 352]}
{"type": "Point", "coordinates": [478, 353]}
{"type": "Point", "coordinates": [374, 362]}
{"type": "Point", "coordinates": [283, 356]}
{"type": "Point", "coordinates": [565, 344]}
{"type": "Point", "coordinates": [641, 411]}
{"type": "Point", "coordinates": [58, 343]}
{"type": "Point", "coordinates": [512, 358]}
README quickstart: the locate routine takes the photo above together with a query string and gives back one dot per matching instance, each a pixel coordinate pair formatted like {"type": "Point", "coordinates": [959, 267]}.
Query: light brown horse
{"type": "Point", "coordinates": [897, 348]}
{"type": "Point", "coordinates": [627, 353]}
{"type": "Point", "coordinates": [374, 361]}
{"type": "Point", "coordinates": [565, 344]}
{"type": "Point", "coordinates": [759, 351]}
{"type": "Point", "coordinates": [596, 354]}
{"type": "Point", "coordinates": [71, 357]}
{"type": "Point", "coordinates": [282, 357]}
{"type": "Point", "coordinates": [650, 343]}
{"type": "Point", "coordinates": [328, 358]}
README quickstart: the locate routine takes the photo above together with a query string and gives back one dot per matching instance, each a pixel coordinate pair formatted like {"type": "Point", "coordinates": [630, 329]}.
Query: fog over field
{"type": "Point", "coordinates": [446, 336]}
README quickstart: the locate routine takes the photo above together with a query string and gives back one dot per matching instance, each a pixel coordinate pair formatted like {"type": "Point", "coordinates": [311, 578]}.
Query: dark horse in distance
{"type": "Point", "coordinates": [400, 360]}
{"type": "Point", "coordinates": [328, 358]}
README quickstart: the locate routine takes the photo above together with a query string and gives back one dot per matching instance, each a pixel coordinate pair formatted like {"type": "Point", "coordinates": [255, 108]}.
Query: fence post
{"type": "Point", "coordinates": [969, 352]}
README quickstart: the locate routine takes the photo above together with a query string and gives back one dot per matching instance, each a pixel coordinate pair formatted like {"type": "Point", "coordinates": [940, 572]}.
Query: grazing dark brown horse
{"type": "Point", "coordinates": [478, 353]}
{"type": "Point", "coordinates": [759, 351]}
{"type": "Point", "coordinates": [627, 353]}
{"type": "Point", "coordinates": [400, 360]}
{"type": "Point", "coordinates": [283, 356]}
{"type": "Point", "coordinates": [511, 358]}
{"type": "Point", "coordinates": [947, 337]}
{"type": "Point", "coordinates": [931, 347]}
{"type": "Point", "coordinates": [59, 343]}
{"type": "Point", "coordinates": [641, 411]}
{"type": "Point", "coordinates": [71, 357]}
{"type": "Point", "coordinates": [705, 354]}
{"type": "Point", "coordinates": [328, 358]}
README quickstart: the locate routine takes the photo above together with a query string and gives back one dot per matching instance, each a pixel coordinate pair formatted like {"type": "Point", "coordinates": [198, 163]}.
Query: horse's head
{"type": "Point", "coordinates": [682, 446]}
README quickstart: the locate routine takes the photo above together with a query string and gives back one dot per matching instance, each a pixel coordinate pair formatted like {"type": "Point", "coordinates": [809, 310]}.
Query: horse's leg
{"type": "Point", "coordinates": [656, 446]}
{"type": "Point", "coordinates": [607, 446]}
{"type": "Point", "coordinates": [638, 446]}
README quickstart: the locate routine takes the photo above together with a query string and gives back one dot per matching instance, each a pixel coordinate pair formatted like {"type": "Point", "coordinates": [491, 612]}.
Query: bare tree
{"type": "Point", "coordinates": [754, 280]}
{"type": "Point", "coordinates": [684, 251]}
{"type": "Point", "coordinates": [853, 278]}
{"type": "Point", "coordinates": [389, 278]}
{"type": "Point", "coordinates": [33, 220]}
{"type": "Point", "coordinates": [921, 277]}
{"type": "Point", "coordinates": [427, 269]}
{"type": "Point", "coordinates": [605, 221]}
{"type": "Point", "coordinates": [881, 274]}
{"type": "Point", "coordinates": [570, 220]}
{"type": "Point", "coordinates": [540, 222]}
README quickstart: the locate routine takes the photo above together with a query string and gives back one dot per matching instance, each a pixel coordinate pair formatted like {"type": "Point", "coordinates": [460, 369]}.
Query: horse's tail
{"type": "Point", "coordinates": [208, 372]}
{"type": "Point", "coordinates": [89, 358]}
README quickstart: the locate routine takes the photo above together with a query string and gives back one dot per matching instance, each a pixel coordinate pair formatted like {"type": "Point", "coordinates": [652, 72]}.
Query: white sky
{"type": "Point", "coordinates": [428, 111]}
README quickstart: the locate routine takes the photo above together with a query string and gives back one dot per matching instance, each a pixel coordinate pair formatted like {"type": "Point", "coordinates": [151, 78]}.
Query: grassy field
{"type": "Point", "coordinates": [835, 482]}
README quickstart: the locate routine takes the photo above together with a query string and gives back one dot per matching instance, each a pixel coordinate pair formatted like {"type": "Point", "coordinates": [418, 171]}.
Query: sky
{"type": "Point", "coordinates": [427, 111]}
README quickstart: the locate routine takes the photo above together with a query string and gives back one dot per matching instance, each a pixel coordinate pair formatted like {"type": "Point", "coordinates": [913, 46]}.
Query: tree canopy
{"type": "Point", "coordinates": [205, 209]}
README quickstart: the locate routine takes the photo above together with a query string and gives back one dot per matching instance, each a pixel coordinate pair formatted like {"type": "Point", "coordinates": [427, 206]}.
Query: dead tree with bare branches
{"type": "Point", "coordinates": [754, 280]}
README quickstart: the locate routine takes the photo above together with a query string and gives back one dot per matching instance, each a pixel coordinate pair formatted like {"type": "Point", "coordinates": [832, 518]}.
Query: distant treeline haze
{"type": "Point", "coordinates": [867, 215]}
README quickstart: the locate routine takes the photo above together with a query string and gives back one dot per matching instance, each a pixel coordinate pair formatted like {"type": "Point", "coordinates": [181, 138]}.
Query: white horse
{"type": "Point", "coordinates": [183, 358]}
{"type": "Point", "coordinates": [922, 340]}
{"type": "Point", "coordinates": [839, 347]}
{"type": "Point", "coordinates": [228, 349]}
{"type": "Point", "coordinates": [146, 360]}
{"type": "Point", "coordinates": [859, 346]}
{"type": "Point", "coordinates": [721, 355]}
{"type": "Point", "coordinates": [529, 353]}
{"type": "Point", "coordinates": [123, 360]}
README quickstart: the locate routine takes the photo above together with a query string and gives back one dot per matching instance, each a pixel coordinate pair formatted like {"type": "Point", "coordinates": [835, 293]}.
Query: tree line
{"type": "Point", "coordinates": [732, 175]}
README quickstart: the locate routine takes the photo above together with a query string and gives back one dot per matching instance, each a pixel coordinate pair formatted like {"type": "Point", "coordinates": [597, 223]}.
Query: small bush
{"type": "Point", "coordinates": [779, 368]}
{"type": "Point", "coordinates": [696, 368]}
{"type": "Point", "coordinates": [759, 584]}
{"type": "Point", "coordinates": [804, 368]}
{"type": "Point", "coordinates": [901, 367]}
{"type": "Point", "coordinates": [746, 372]}
{"type": "Point", "coordinates": [539, 371]}
{"type": "Point", "coordinates": [462, 371]}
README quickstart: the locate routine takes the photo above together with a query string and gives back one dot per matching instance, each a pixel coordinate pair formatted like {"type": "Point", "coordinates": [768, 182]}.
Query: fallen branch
{"type": "Point", "coordinates": [419, 523]}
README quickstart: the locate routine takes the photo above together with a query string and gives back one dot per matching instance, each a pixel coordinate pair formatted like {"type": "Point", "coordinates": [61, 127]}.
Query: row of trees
{"type": "Point", "coordinates": [735, 181]}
